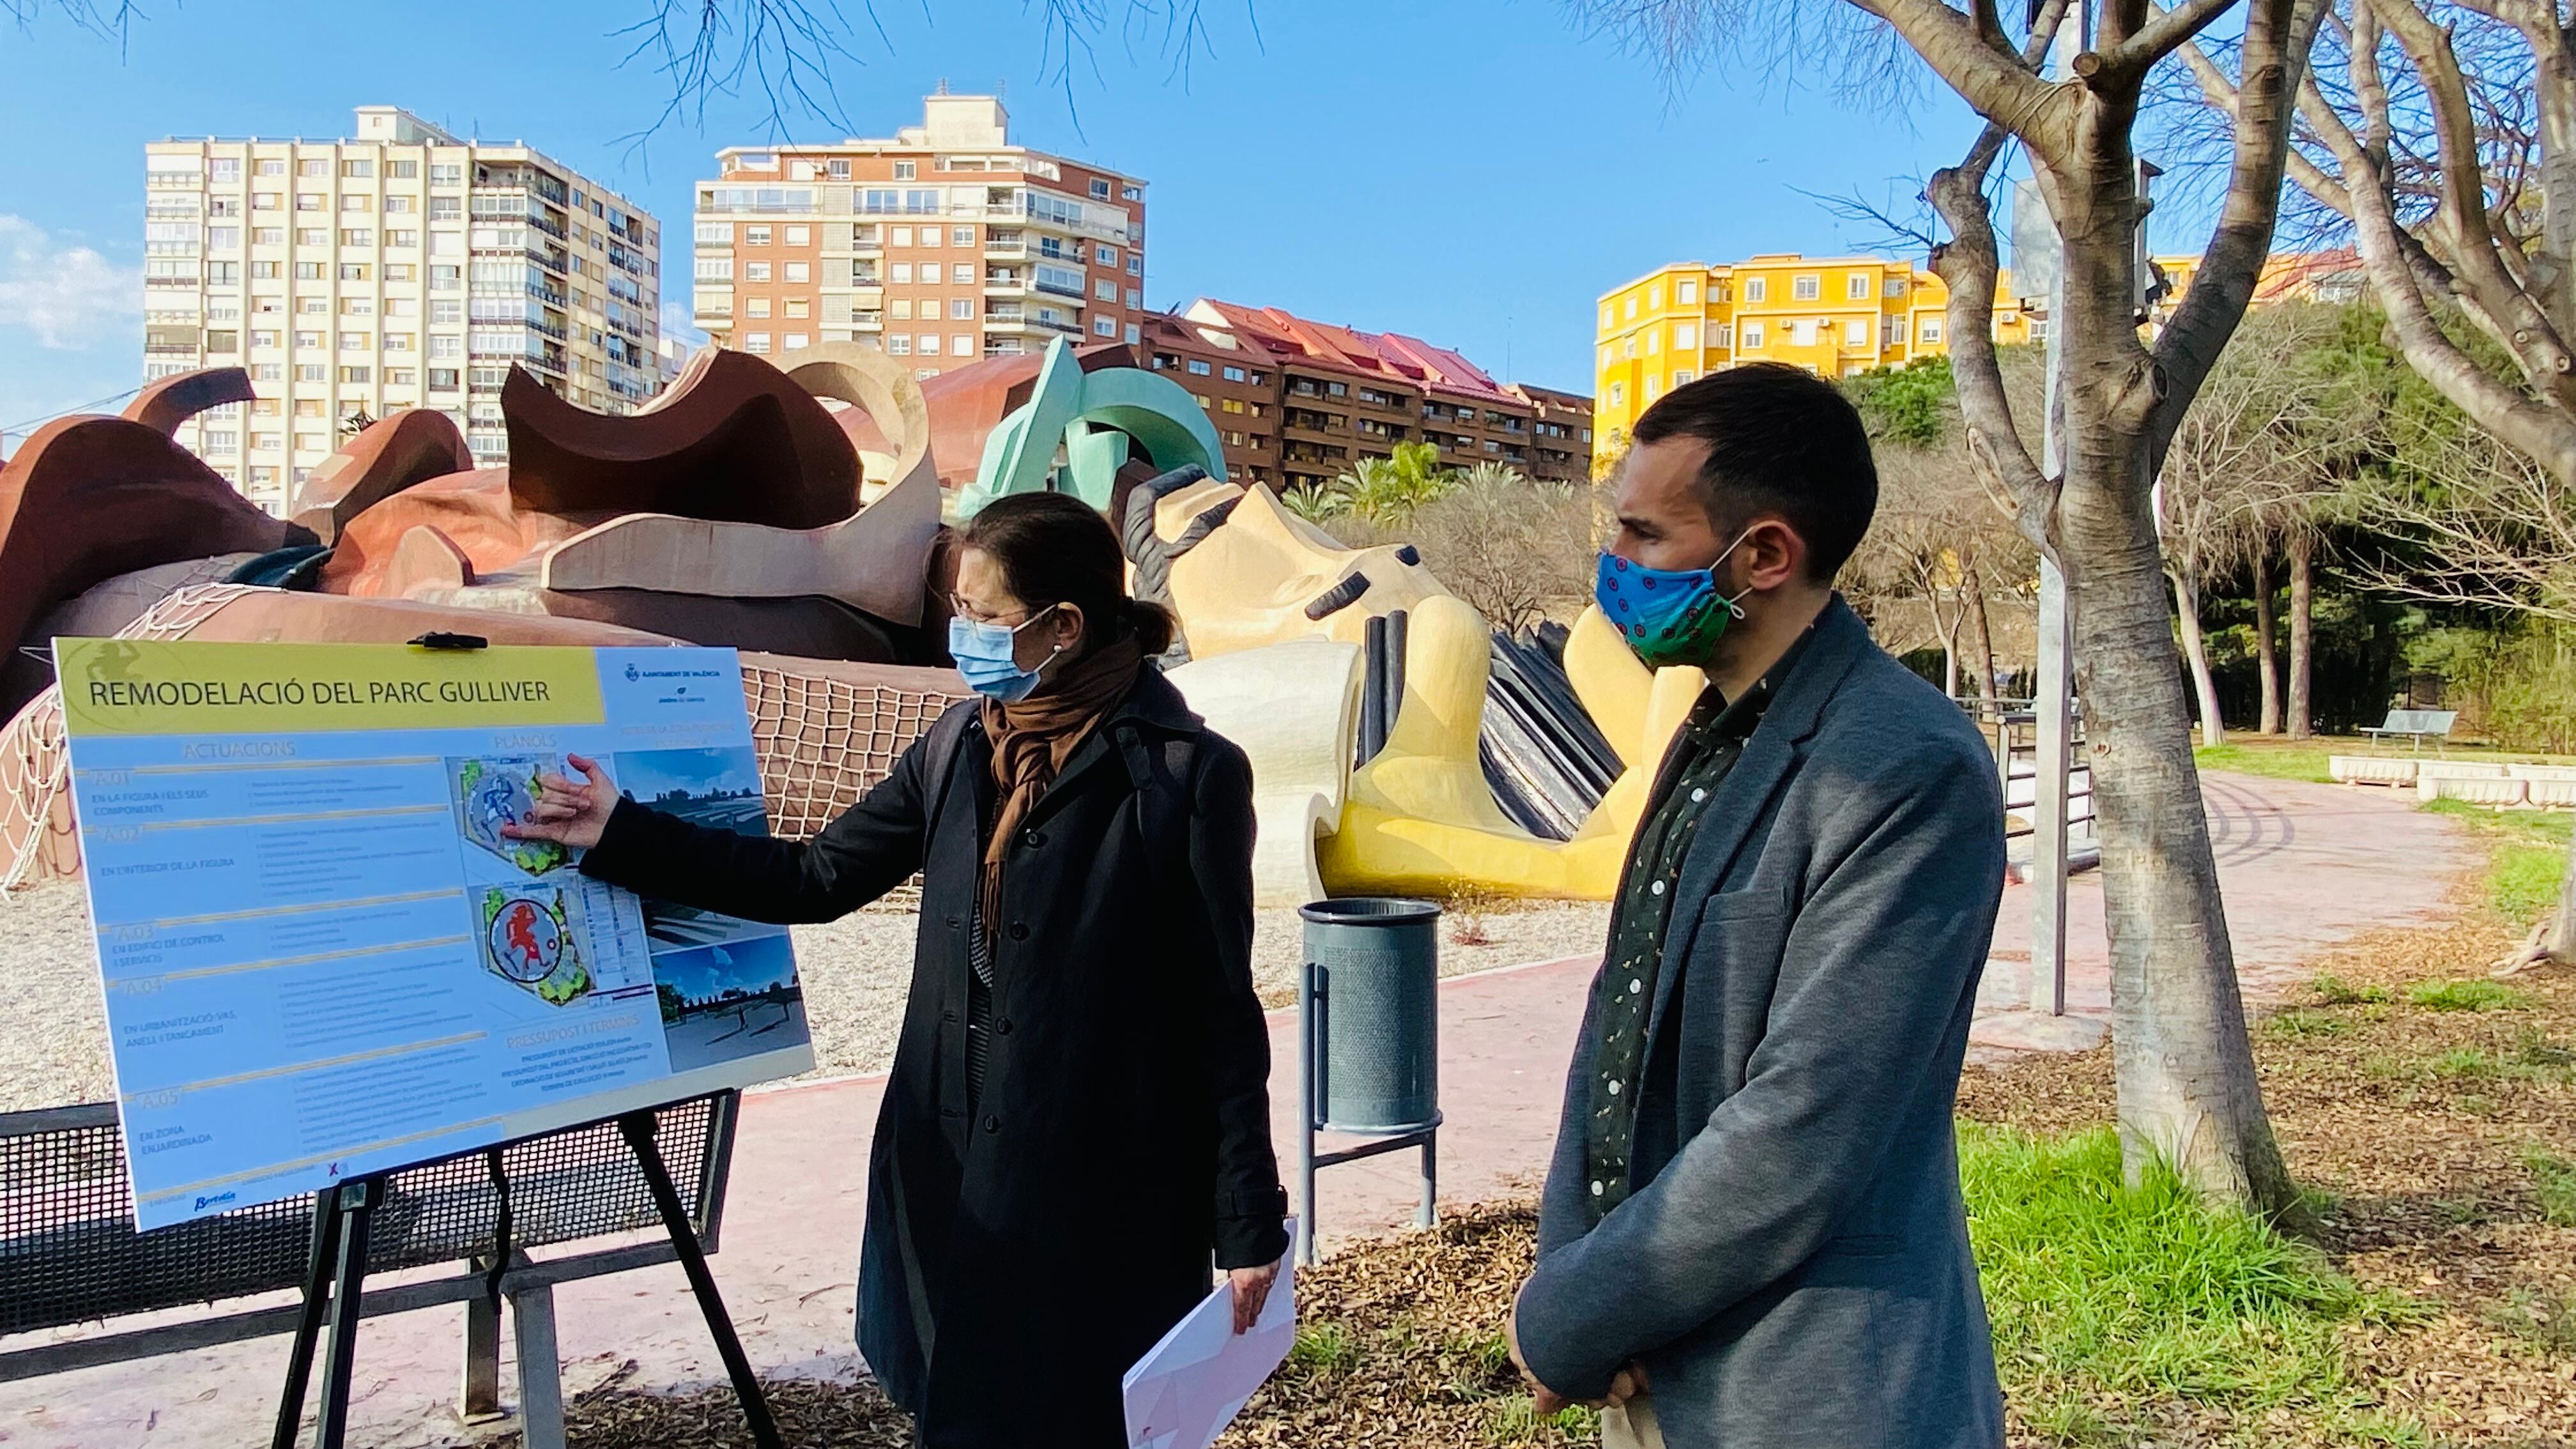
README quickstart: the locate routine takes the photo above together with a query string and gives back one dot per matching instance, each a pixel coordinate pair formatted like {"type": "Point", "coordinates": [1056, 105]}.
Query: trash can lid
{"type": "Point", "coordinates": [1369, 911]}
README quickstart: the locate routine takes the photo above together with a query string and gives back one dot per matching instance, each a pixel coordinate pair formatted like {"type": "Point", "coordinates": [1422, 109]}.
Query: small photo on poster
{"type": "Point", "coordinates": [728, 1001]}
{"type": "Point", "coordinates": [719, 788]}
{"type": "Point", "coordinates": [490, 791]}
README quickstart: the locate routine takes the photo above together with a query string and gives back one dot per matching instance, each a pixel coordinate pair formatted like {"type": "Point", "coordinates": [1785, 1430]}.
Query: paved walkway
{"type": "Point", "coordinates": [2302, 866]}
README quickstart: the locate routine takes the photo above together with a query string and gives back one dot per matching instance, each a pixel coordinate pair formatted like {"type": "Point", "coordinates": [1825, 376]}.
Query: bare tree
{"type": "Point", "coordinates": [2186, 1084]}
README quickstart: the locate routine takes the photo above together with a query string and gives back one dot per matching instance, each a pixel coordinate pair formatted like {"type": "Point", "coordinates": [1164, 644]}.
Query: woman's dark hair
{"type": "Point", "coordinates": [1053, 548]}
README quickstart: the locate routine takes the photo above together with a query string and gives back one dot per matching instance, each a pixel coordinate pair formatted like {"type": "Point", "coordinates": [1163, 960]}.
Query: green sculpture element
{"type": "Point", "coordinates": [1094, 416]}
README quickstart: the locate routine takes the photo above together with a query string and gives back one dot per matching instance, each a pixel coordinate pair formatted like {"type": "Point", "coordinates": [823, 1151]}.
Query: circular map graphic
{"type": "Point", "coordinates": [525, 940]}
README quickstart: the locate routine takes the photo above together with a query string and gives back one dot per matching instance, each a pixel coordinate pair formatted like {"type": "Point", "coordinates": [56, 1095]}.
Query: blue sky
{"type": "Point", "coordinates": [645, 774]}
{"type": "Point", "coordinates": [1473, 172]}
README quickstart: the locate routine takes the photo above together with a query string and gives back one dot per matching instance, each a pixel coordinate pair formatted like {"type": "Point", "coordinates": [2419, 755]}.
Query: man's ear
{"type": "Point", "coordinates": [1774, 554]}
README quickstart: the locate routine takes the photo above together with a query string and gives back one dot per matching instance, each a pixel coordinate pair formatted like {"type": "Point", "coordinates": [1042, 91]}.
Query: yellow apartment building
{"type": "Point", "coordinates": [1834, 316]}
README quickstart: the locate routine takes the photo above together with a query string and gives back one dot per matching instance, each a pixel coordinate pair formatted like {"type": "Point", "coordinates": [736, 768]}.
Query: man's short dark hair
{"type": "Point", "coordinates": [1781, 441]}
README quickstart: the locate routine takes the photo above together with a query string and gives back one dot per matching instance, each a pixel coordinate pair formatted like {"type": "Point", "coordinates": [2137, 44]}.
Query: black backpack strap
{"type": "Point", "coordinates": [1163, 769]}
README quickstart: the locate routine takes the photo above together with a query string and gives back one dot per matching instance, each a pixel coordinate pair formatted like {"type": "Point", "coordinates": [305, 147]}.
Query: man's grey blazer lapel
{"type": "Point", "coordinates": [1744, 796]}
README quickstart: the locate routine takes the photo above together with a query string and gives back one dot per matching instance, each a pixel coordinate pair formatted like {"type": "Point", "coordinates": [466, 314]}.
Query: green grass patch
{"type": "Point", "coordinates": [2305, 760]}
{"type": "Point", "coordinates": [2545, 1320]}
{"type": "Point", "coordinates": [1516, 1420]}
{"type": "Point", "coordinates": [2470, 995]}
{"type": "Point", "coordinates": [2333, 990]}
{"type": "Point", "coordinates": [2107, 1300]}
{"type": "Point", "coordinates": [2553, 1181]}
{"type": "Point", "coordinates": [2529, 861]}
{"type": "Point", "coordinates": [1323, 1349]}
{"type": "Point", "coordinates": [2300, 1024]}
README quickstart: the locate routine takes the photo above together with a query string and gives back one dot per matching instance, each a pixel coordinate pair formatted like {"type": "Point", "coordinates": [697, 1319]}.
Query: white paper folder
{"type": "Point", "coordinates": [1188, 1387]}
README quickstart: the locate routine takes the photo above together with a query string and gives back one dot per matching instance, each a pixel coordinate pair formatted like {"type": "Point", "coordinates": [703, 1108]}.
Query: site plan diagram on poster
{"type": "Point", "coordinates": [322, 957]}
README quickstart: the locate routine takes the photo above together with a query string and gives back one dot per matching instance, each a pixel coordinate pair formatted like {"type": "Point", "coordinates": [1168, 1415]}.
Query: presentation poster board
{"type": "Point", "coordinates": [321, 956]}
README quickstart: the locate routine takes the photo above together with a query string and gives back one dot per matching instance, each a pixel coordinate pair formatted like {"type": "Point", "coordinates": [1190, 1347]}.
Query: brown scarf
{"type": "Point", "coordinates": [1033, 738]}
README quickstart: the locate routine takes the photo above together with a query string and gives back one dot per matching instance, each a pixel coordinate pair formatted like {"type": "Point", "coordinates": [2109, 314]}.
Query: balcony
{"type": "Point", "coordinates": [1006, 250]}
{"type": "Point", "coordinates": [1059, 289]}
{"type": "Point", "coordinates": [1069, 326]}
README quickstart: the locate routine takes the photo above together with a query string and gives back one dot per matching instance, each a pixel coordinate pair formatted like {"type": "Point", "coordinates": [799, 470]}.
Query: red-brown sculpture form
{"type": "Point", "coordinates": [392, 454]}
{"type": "Point", "coordinates": [162, 406]}
{"type": "Point", "coordinates": [89, 498]}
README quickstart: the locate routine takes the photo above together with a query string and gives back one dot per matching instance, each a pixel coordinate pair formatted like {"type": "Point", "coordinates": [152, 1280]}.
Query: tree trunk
{"type": "Point", "coordinates": [1981, 640]}
{"type": "Point", "coordinates": [2267, 663]}
{"type": "Point", "coordinates": [2302, 718]}
{"type": "Point", "coordinates": [2186, 591]}
{"type": "Point", "coordinates": [2181, 1059]}
{"type": "Point", "coordinates": [2559, 941]}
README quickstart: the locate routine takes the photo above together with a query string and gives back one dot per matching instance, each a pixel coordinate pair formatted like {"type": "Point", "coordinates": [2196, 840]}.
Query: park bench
{"type": "Point", "coordinates": [69, 1254]}
{"type": "Point", "coordinates": [2415, 723]}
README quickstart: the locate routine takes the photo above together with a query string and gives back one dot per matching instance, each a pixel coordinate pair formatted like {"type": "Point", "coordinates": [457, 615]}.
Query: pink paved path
{"type": "Point", "coordinates": [2302, 865]}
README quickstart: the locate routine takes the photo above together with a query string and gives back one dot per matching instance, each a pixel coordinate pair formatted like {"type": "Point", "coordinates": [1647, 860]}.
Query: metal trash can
{"type": "Point", "coordinates": [1368, 1029]}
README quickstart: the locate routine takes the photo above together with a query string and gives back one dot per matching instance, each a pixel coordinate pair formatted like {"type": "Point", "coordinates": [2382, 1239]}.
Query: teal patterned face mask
{"type": "Point", "coordinates": [1668, 616]}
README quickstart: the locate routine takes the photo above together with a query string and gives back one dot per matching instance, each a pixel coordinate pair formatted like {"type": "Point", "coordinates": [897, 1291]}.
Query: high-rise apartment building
{"type": "Point", "coordinates": [401, 268]}
{"type": "Point", "coordinates": [943, 244]}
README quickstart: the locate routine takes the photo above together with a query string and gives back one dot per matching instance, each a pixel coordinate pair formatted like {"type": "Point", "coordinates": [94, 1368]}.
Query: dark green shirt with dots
{"type": "Point", "coordinates": [1711, 741]}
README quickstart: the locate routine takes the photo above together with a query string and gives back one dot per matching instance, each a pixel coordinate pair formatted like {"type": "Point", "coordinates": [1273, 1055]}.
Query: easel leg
{"type": "Point", "coordinates": [638, 1129]}
{"type": "Point", "coordinates": [478, 1391]}
{"type": "Point", "coordinates": [357, 1205]}
{"type": "Point", "coordinates": [541, 1415]}
{"type": "Point", "coordinates": [1428, 1213]}
{"type": "Point", "coordinates": [308, 1325]}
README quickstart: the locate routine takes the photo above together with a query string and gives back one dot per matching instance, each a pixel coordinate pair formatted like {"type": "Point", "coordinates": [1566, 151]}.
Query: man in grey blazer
{"type": "Point", "coordinates": [1752, 1233]}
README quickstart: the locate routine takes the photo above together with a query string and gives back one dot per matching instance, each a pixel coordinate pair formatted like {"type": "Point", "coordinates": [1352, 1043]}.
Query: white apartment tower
{"type": "Point", "coordinates": [943, 244]}
{"type": "Point", "coordinates": [403, 268]}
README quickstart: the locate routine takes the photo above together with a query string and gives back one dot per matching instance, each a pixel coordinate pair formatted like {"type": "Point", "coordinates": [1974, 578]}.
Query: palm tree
{"type": "Point", "coordinates": [1490, 474]}
{"type": "Point", "coordinates": [1315, 503]}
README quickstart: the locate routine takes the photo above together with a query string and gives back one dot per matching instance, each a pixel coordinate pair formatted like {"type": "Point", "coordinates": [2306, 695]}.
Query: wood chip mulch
{"type": "Point", "coordinates": [2440, 1144]}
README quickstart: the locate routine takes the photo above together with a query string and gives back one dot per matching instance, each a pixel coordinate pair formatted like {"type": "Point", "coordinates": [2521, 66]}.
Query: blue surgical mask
{"type": "Point", "coordinates": [985, 654]}
{"type": "Point", "coordinates": [1668, 616]}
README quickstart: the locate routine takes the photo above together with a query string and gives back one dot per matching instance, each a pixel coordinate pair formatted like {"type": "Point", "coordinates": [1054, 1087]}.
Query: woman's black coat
{"type": "Point", "coordinates": [1018, 1261]}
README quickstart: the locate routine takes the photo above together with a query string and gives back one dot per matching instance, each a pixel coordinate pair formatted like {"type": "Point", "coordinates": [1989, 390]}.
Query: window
{"type": "Point", "coordinates": [1896, 286]}
{"type": "Point", "coordinates": [446, 173]}
{"type": "Point", "coordinates": [267, 201]}
{"type": "Point", "coordinates": [1135, 265]}
{"type": "Point", "coordinates": [1605, 314]}
{"type": "Point", "coordinates": [755, 271]}
{"type": "Point", "coordinates": [1104, 327]}
{"type": "Point", "coordinates": [1686, 293]}
{"type": "Point", "coordinates": [1630, 310]}
{"type": "Point", "coordinates": [357, 374]}
{"type": "Point", "coordinates": [796, 340]}
{"type": "Point", "coordinates": [308, 201]}
{"type": "Point", "coordinates": [399, 341]}
{"type": "Point", "coordinates": [898, 346]}
{"type": "Point", "coordinates": [402, 238]}
{"type": "Point", "coordinates": [1231, 405]}
{"type": "Point", "coordinates": [755, 307]}
{"type": "Point", "coordinates": [1931, 330]}
{"type": "Point", "coordinates": [1894, 332]}
{"type": "Point", "coordinates": [443, 279]}
{"type": "Point", "coordinates": [223, 238]}
{"type": "Point", "coordinates": [1135, 334]}
{"type": "Point", "coordinates": [1721, 334]}
{"type": "Point", "coordinates": [1682, 376]}
{"type": "Point", "coordinates": [313, 167]}
{"type": "Point", "coordinates": [1757, 289]}
{"type": "Point", "coordinates": [1655, 297]}
{"type": "Point", "coordinates": [927, 344]}
{"type": "Point", "coordinates": [357, 307]}
{"type": "Point", "coordinates": [402, 170]}
{"type": "Point", "coordinates": [707, 233]}
{"type": "Point", "coordinates": [1686, 337]}
{"type": "Point", "coordinates": [837, 170]}
{"type": "Point", "coordinates": [902, 272]}
{"type": "Point", "coordinates": [353, 271]}
{"type": "Point", "coordinates": [1856, 333]}
{"type": "Point", "coordinates": [272, 167]}
{"type": "Point", "coordinates": [1131, 193]}
{"type": "Point", "coordinates": [1099, 189]}
{"type": "Point", "coordinates": [1198, 368]}
{"type": "Point", "coordinates": [906, 170]}
{"type": "Point", "coordinates": [268, 372]}
{"type": "Point", "coordinates": [755, 342]}
{"type": "Point", "coordinates": [1752, 334]}
{"type": "Point", "coordinates": [397, 205]}
{"type": "Point", "coordinates": [800, 236]}
{"type": "Point", "coordinates": [961, 345]}
{"type": "Point", "coordinates": [755, 236]}
{"type": "Point", "coordinates": [268, 236]}
{"type": "Point", "coordinates": [962, 274]}
{"type": "Point", "coordinates": [356, 202]}
{"type": "Point", "coordinates": [1856, 285]}
{"type": "Point", "coordinates": [930, 236]}
{"type": "Point", "coordinates": [800, 271]}
{"type": "Point", "coordinates": [1234, 374]}
{"type": "Point", "coordinates": [1618, 393]}
{"type": "Point", "coordinates": [1105, 290]}
{"type": "Point", "coordinates": [901, 308]}
{"type": "Point", "coordinates": [353, 342]}
{"type": "Point", "coordinates": [1653, 341]}
{"type": "Point", "coordinates": [714, 269]}
{"type": "Point", "coordinates": [312, 236]}
{"type": "Point", "coordinates": [961, 236]}
{"type": "Point", "coordinates": [357, 236]}
{"type": "Point", "coordinates": [1806, 288]}
{"type": "Point", "coordinates": [800, 170]}
{"type": "Point", "coordinates": [1802, 333]}
{"type": "Point", "coordinates": [448, 345]}
{"type": "Point", "coordinates": [308, 271]}
{"type": "Point", "coordinates": [961, 309]}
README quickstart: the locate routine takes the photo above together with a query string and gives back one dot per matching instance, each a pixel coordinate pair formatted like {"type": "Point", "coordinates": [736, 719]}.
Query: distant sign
{"type": "Point", "coordinates": [321, 955]}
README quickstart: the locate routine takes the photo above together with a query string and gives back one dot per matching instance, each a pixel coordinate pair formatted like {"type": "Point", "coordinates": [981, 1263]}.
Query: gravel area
{"type": "Point", "coordinates": [856, 973]}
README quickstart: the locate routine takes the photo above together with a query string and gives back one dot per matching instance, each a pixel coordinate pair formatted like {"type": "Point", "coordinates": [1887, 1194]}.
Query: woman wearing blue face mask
{"type": "Point", "coordinates": [1077, 1124]}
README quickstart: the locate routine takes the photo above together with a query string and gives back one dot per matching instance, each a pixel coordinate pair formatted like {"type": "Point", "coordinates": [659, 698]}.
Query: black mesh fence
{"type": "Point", "coordinates": [69, 1252]}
